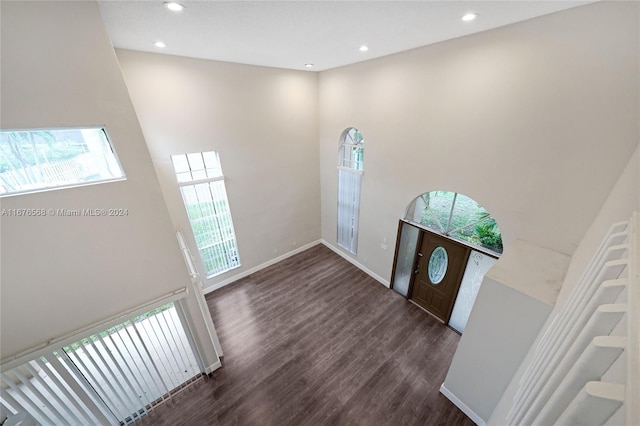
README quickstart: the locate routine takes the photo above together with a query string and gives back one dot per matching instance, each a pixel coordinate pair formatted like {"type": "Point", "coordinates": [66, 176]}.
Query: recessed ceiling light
{"type": "Point", "coordinates": [308, 65]}
{"type": "Point", "coordinates": [173, 6]}
{"type": "Point", "coordinates": [363, 48]}
{"type": "Point", "coordinates": [159, 44]}
{"type": "Point", "coordinates": [469, 17]}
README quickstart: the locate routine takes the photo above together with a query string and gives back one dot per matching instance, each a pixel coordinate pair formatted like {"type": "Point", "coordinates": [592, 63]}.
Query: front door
{"type": "Point", "coordinates": [440, 266]}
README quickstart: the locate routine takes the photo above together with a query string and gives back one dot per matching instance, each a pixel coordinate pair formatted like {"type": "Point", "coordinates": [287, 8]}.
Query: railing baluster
{"type": "Point", "coordinates": [163, 359]}
{"type": "Point", "coordinates": [161, 388]}
{"type": "Point", "coordinates": [143, 391]}
{"type": "Point", "coordinates": [101, 378]}
{"type": "Point", "coordinates": [73, 377]}
{"type": "Point", "coordinates": [66, 394]}
{"type": "Point", "coordinates": [122, 383]}
{"type": "Point", "coordinates": [110, 398]}
{"type": "Point", "coordinates": [155, 366]}
{"type": "Point", "coordinates": [114, 384]}
{"type": "Point", "coordinates": [12, 406]}
{"type": "Point", "coordinates": [177, 370]}
{"type": "Point", "coordinates": [65, 409]}
{"type": "Point", "coordinates": [44, 401]}
{"type": "Point", "coordinates": [189, 361]}
{"type": "Point", "coordinates": [27, 402]}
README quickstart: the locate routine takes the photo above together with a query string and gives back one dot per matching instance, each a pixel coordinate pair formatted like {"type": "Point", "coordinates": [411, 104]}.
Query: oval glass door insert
{"type": "Point", "coordinates": [438, 263]}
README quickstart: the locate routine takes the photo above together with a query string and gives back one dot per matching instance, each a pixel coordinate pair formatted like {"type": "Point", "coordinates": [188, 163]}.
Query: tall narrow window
{"type": "Point", "coordinates": [201, 182]}
{"type": "Point", "coordinates": [350, 169]}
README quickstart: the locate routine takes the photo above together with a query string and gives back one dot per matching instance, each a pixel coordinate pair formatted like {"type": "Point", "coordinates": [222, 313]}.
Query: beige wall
{"type": "Point", "coordinates": [262, 121]}
{"type": "Point", "coordinates": [623, 200]}
{"type": "Point", "coordinates": [502, 325]}
{"type": "Point", "coordinates": [535, 121]}
{"type": "Point", "coordinates": [62, 273]}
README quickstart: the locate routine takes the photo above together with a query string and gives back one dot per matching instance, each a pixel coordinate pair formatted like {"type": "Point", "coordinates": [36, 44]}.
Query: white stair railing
{"type": "Point", "coordinates": [564, 383]}
{"type": "Point", "coordinates": [109, 374]}
{"type": "Point", "coordinates": [197, 287]}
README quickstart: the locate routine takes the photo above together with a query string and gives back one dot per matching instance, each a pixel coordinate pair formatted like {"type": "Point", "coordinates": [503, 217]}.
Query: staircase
{"type": "Point", "coordinates": [585, 367]}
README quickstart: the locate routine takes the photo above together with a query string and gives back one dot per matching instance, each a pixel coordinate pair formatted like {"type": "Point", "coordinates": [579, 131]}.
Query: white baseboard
{"type": "Point", "coordinates": [248, 272]}
{"type": "Point", "coordinates": [213, 367]}
{"type": "Point", "coordinates": [462, 406]}
{"type": "Point", "coordinates": [356, 264]}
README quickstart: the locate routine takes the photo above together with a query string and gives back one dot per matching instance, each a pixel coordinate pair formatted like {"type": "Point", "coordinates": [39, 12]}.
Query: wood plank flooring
{"type": "Point", "coordinates": [313, 340]}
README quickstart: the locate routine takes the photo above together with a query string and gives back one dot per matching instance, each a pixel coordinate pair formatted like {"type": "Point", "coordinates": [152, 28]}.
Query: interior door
{"type": "Point", "coordinates": [440, 267]}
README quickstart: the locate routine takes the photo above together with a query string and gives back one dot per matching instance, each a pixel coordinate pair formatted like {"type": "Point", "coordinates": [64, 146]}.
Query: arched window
{"type": "Point", "coordinates": [350, 170]}
{"type": "Point", "coordinates": [457, 216]}
{"type": "Point", "coordinates": [351, 149]}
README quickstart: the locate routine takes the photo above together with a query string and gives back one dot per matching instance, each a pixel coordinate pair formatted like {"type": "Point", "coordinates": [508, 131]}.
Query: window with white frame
{"type": "Point", "coordinates": [201, 183]}
{"type": "Point", "coordinates": [350, 170]}
{"type": "Point", "coordinates": [45, 159]}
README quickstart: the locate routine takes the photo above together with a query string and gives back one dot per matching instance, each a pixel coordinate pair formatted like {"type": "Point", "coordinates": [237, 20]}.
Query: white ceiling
{"type": "Point", "coordinates": [289, 34]}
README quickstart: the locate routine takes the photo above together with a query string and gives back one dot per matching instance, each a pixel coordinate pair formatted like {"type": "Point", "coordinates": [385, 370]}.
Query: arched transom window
{"type": "Point", "coordinates": [352, 149]}
{"type": "Point", "coordinates": [457, 216]}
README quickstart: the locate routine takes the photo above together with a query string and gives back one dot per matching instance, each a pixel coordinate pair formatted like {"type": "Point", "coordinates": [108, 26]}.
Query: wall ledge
{"type": "Point", "coordinates": [535, 271]}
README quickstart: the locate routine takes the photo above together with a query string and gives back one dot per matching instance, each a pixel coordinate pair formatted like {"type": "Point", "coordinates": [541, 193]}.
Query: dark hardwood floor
{"type": "Point", "coordinates": [313, 340]}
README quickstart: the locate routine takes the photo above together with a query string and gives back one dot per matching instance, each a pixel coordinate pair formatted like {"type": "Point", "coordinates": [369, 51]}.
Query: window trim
{"type": "Point", "coordinates": [349, 169]}
{"type": "Point", "coordinates": [199, 181]}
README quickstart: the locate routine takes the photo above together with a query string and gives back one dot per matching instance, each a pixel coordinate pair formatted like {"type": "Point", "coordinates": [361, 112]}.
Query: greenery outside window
{"type": "Point", "coordinates": [45, 159]}
{"type": "Point", "coordinates": [457, 216]}
{"type": "Point", "coordinates": [201, 182]}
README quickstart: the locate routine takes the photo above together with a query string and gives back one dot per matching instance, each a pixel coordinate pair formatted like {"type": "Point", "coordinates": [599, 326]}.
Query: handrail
{"type": "Point", "coordinates": [188, 257]}
{"type": "Point", "coordinates": [197, 285]}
